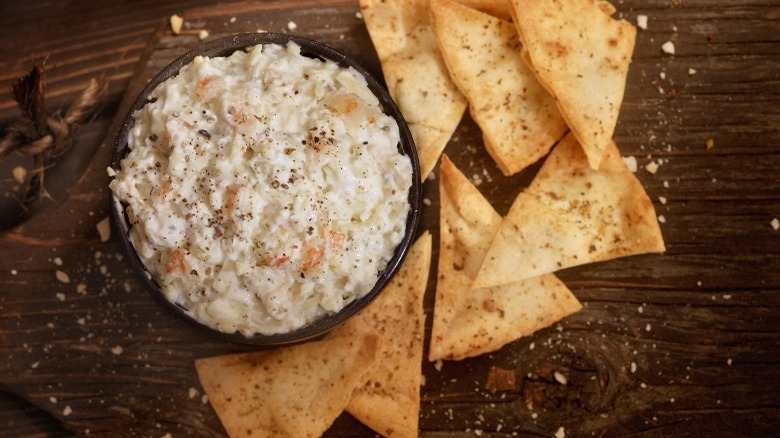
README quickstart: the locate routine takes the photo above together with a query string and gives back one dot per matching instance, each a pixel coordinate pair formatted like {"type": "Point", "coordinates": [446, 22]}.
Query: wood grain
{"type": "Point", "coordinates": [680, 344]}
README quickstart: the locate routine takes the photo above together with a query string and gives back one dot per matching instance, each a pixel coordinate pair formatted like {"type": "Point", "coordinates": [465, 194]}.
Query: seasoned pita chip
{"type": "Point", "coordinates": [581, 55]}
{"type": "Point", "coordinates": [498, 8]}
{"type": "Point", "coordinates": [469, 322]}
{"type": "Point", "coordinates": [290, 392]}
{"type": "Point", "coordinates": [518, 117]}
{"type": "Point", "coordinates": [389, 402]}
{"type": "Point", "coordinates": [414, 71]}
{"type": "Point", "coordinates": [571, 215]}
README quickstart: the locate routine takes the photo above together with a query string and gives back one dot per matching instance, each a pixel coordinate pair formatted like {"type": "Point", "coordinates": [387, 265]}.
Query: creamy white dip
{"type": "Point", "coordinates": [264, 189]}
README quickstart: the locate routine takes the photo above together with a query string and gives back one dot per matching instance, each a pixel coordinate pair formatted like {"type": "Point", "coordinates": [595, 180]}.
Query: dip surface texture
{"type": "Point", "coordinates": [265, 189]}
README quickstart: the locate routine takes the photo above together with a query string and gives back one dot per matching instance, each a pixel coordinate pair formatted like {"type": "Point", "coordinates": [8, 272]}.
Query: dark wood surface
{"type": "Point", "coordinates": [681, 344]}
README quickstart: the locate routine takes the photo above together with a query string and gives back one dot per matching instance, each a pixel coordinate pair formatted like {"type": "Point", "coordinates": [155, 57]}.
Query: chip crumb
{"type": "Point", "coordinates": [203, 34]}
{"type": "Point", "coordinates": [560, 433]}
{"type": "Point", "coordinates": [62, 277]}
{"type": "Point", "coordinates": [117, 350]}
{"type": "Point", "coordinates": [661, 219]}
{"type": "Point", "coordinates": [726, 296]}
{"type": "Point", "coordinates": [641, 21]}
{"type": "Point", "coordinates": [57, 261]}
{"type": "Point", "coordinates": [640, 309]}
{"type": "Point", "coordinates": [560, 378]}
{"type": "Point", "coordinates": [666, 184]}
{"type": "Point", "coordinates": [34, 365]}
{"type": "Point", "coordinates": [193, 392]}
{"type": "Point", "coordinates": [53, 399]}
{"type": "Point", "coordinates": [668, 48]}
{"type": "Point", "coordinates": [710, 143]}
{"type": "Point", "coordinates": [358, 15]}
{"type": "Point", "coordinates": [648, 327]}
{"type": "Point", "coordinates": [775, 223]}
{"type": "Point", "coordinates": [233, 20]}
{"type": "Point", "coordinates": [532, 346]}
{"type": "Point", "coordinates": [67, 411]}
{"type": "Point", "coordinates": [671, 400]}
{"type": "Point", "coordinates": [60, 296]}
{"type": "Point", "coordinates": [691, 71]}
{"type": "Point", "coordinates": [204, 399]}
{"type": "Point", "coordinates": [652, 167]}
{"type": "Point", "coordinates": [110, 171]}
{"type": "Point", "coordinates": [176, 22]}
{"type": "Point", "coordinates": [438, 364]}
{"type": "Point", "coordinates": [427, 202]}
{"type": "Point", "coordinates": [662, 75]}
{"type": "Point", "coordinates": [642, 385]}
{"type": "Point", "coordinates": [81, 288]}
{"type": "Point", "coordinates": [662, 199]}
{"type": "Point", "coordinates": [81, 321]}
{"type": "Point", "coordinates": [630, 163]}
{"type": "Point", "coordinates": [633, 367]}
{"type": "Point", "coordinates": [19, 173]}
{"type": "Point", "coordinates": [698, 283]}
{"type": "Point", "coordinates": [104, 229]}
{"type": "Point", "coordinates": [534, 415]}
{"type": "Point", "coordinates": [167, 435]}
{"type": "Point", "coordinates": [15, 272]}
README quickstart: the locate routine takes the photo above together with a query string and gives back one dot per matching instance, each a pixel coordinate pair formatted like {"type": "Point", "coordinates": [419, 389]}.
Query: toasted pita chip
{"type": "Point", "coordinates": [518, 117]}
{"type": "Point", "coordinates": [468, 322]}
{"type": "Point", "coordinates": [581, 55]}
{"type": "Point", "coordinates": [498, 8]}
{"type": "Point", "coordinates": [571, 215]}
{"type": "Point", "coordinates": [415, 73]}
{"type": "Point", "coordinates": [389, 402]}
{"type": "Point", "coordinates": [291, 392]}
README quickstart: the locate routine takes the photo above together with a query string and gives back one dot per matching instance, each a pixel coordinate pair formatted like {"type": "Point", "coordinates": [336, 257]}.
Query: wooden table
{"type": "Point", "coordinates": [680, 344]}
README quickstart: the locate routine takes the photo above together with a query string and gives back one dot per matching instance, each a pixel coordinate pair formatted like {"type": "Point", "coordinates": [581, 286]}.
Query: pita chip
{"type": "Point", "coordinates": [581, 55]}
{"type": "Point", "coordinates": [469, 322]}
{"type": "Point", "coordinates": [498, 8]}
{"type": "Point", "coordinates": [294, 391]}
{"type": "Point", "coordinates": [519, 119]}
{"type": "Point", "coordinates": [571, 215]}
{"type": "Point", "coordinates": [415, 73]}
{"type": "Point", "coordinates": [389, 402]}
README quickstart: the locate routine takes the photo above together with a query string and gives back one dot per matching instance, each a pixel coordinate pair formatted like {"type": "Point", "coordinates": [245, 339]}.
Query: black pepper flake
{"type": "Point", "coordinates": [275, 184]}
{"type": "Point", "coordinates": [153, 137]}
{"type": "Point", "coordinates": [194, 272]}
{"type": "Point", "coordinates": [204, 133]}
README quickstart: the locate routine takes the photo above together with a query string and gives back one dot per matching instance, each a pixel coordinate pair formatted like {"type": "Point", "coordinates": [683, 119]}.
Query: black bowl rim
{"type": "Point", "coordinates": [224, 47]}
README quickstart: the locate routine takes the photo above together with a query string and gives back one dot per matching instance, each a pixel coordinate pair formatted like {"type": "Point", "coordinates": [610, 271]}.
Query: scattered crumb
{"type": "Point", "coordinates": [710, 143]}
{"type": "Point", "coordinates": [291, 25]}
{"type": "Point", "coordinates": [60, 296]}
{"type": "Point", "coordinates": [728, 362]}
{"type": "Point", "coordinates": [341, 37]}
{"type": "Point", "coordinates": [233, 20]}
{"type": "Point", "coordinates": [662, 75]}
{"type": "Point", "coordinates": [662, 199]}
{"type": "Point", "coordinates": [560, 433]}
{"type": "Point", "coordinates": [534, 415]}
{"type": "Point", "coordinates": [431, 177]}
{"type": "Point", "coordinates": [104, 229]}
{"type": "Point", "coordinates": [53, 399]}
{"type": "Point", "coordinates": [691, 71]}
{"type": "Point", "coordinates": [19, 173]}
{"type": "Point", "coordinates": [62, 277]}
{"type": "Point", "coordinates": [176, 23]}
{"type": "Point", "coordinates": [671, 400]}
{"type": "Point", "coordinates": [640, 309]}
{"type": "Point", "coordinates": [358, 15]}
{"type": "Point", "coordinates": [698, 283]}
{"type": "Point", "coordinates": [630, 163]}
{"type": "Point", "coordinates": [193, 392]}
{"type": "Point", "coordinates": [666, 184]}
{"type": "Point", "coordinates": [438, 364]}
{"type": "Point", "coordinates": [203, 34]}
{"type": "Point", "coordinates": [34, 365]}
{"type": "Point", "coordinates": [726, 297]}
{"type": "Point", "coordinates": [642, 385]}
{"type": "Point", "coordinates": [775, 223]}
{"type": "Point", "coordinates": [57, 261]}
{"type": "Point", "coordinates": [204, 399]}
{"type": "Point", "coordinates": [668, 48]}
{"type": "Point", "coordinates": [167, 435]}
{"type": "Point", "coordinates": [532, 346]}
{"type": "Point", "coordinates": [641, 21]}
{"type": "Point", "coordinates": [560, 378]}
{"type": "Point", "coordinates": [633, 367]}
{"type": "Point", "coordinates": [110, 171]}
{"type": "Point", "coordinates": [427, 202]}
{"type": "Point", "coordinates": [81, 288]}
{"type": "Point", "coordinates": [648, 327]}
{"type": "Point", "coordinates": [81, 321]}
{"type": "Point", "coordinates": [661, 219]}
{"type": "Point", "coordinates": [652, 167]}
{"type": "Point", "coordinates": [67, 411]}
{"type": "Point", "coordinates": [117, 350]}
{"type": "Point", "coordinates": [15, 272]}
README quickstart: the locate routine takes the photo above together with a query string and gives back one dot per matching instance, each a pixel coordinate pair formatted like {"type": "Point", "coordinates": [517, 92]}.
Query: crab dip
{"type": "Point", "coordinates": [265, 189]}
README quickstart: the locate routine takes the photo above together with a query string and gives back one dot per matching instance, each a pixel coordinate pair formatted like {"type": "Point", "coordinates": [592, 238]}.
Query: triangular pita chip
{"type": "Point", "coordinates": [469, 322]}
{"type": "Point", "coordinates": [498, 8]}
{"type": "Point", "coordinates": [581, 55]}
{"type": "Point", "coordinates": [389, 402]}
{"type": "Point", "coordinates": [571, 215]}
{"type": "Point", "coordinates": [414, 71]}
{"type": "Point", "coordinates": [518, 117]}
{"type": "Point", "coordinates": [290, 392]}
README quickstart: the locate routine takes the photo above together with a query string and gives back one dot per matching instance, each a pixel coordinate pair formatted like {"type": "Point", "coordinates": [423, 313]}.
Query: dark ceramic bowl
{"type": "Point", "coordinates": [224, 47]}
